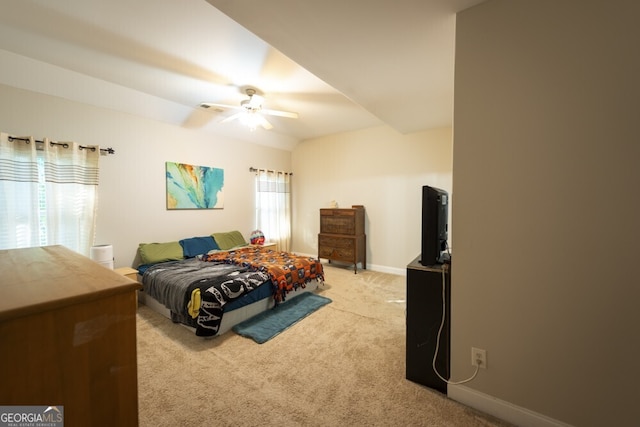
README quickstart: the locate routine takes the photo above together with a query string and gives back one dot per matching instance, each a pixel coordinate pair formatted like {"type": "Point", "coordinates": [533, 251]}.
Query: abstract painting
{"type": "Point", "coordinates": [194, 187]}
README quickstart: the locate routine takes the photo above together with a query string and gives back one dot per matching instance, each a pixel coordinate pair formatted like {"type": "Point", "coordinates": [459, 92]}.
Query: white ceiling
{"type": "Point", "coordinates": [366, 62]}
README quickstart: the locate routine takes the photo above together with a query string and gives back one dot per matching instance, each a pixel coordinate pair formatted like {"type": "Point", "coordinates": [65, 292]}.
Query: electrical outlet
{"type": "Point", "coordinates": [479, 357]}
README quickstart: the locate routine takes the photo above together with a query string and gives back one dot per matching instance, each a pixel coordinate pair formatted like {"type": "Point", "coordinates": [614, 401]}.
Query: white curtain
{"type": "Point", "coordinates": [273, 207]}
{"type": "Point", "coordinates": [62, 199]}
{"type": "Point", "coordinates": [71, 188]}
{"type": "Point", "coordinates": [18, 193]}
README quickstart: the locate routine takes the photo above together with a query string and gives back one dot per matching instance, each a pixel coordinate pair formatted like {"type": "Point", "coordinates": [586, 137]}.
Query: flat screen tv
{"type": "Point", "coordinates": [435, 227]}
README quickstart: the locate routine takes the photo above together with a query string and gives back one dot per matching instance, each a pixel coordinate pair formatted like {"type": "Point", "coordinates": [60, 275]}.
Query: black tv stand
{"type": "Point", "coordinates": [424, 316]}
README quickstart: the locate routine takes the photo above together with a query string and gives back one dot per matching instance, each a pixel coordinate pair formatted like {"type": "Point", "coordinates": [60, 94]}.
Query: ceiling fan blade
{"type": "Point", "coordinates": [198, 118]}
{"type": "Point", "coordinates": [278, 113]}
{"type": "Point", "coordinates": [264, 122]}
{"type": "Point", "coordinates": [232, 117]}
{"type": "Point", "coordinates": [224, 106]}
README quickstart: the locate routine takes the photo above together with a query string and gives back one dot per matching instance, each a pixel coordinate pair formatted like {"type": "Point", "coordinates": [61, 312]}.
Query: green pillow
{"type": "Point", "coordinates": [152, 253]}
{"type": "Point", "coordinates": [229, 240]}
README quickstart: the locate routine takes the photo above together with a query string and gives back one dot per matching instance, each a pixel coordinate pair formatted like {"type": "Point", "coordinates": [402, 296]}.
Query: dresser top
{"type": "Point", "coordinates": [356, 207]}
{"type": "Point", "coordinates": [46, 278]}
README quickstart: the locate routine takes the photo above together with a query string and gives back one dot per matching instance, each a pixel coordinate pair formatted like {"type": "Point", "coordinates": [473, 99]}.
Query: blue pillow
{"type": "Point", "coordinates": [197, 246]}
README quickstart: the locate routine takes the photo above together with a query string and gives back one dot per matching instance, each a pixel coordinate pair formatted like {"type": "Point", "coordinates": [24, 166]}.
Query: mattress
{"type": "Point", "coordinates": [243, 308]}
{"type": "Point", "coordinates": [223, 288]}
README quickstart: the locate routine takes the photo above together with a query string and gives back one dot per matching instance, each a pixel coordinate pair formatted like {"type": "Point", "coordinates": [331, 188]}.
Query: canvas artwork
{"type": "Point", "coordinates": [194, 187]}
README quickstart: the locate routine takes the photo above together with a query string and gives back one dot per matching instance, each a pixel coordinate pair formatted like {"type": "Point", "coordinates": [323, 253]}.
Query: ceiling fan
{"type": "Point", "coordinates": [251, 112]}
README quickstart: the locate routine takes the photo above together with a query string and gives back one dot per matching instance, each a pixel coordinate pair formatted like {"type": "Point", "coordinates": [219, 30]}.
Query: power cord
{"type": "Point", "coordinates": [435, 353]}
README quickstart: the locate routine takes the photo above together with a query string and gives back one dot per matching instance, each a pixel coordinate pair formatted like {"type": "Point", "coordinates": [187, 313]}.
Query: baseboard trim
{"type": "Point", "coordinates": [385, 269]}
{"type": "Point", "coordinates": [501, 409]}
{"type": "Point", "coordinates": [372, 267]}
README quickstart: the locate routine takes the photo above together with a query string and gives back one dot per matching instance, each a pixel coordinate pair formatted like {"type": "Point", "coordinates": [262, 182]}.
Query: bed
{"type": "Point", "coordinates": [211, 283]}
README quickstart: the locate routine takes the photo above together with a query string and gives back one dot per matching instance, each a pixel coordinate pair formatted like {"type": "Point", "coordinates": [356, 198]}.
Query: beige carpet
{"type": "Point", "coordinates": [344, 365]}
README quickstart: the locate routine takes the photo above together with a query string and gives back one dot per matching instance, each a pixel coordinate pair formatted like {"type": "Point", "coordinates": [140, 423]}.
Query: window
{"type": "Point", "coordinates": [48, 193]}
{"type": "Point", "coordinates": [273, 207]}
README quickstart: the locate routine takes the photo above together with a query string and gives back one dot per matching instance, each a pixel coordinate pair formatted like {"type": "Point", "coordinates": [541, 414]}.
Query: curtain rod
{"type": "Point", "coordinates": [252, 169]}
{"type": "Point", "coordinates": [108, 150]}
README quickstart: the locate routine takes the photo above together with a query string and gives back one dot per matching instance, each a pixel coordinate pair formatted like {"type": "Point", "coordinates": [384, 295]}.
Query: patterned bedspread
{"type": "Point", "coordinates": [286, 270]}
{"type": "Point", "coordinates": [175, 284]}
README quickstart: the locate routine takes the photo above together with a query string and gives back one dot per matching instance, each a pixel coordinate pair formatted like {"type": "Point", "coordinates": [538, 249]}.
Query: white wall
{"type": "Point", "coordinates": [132, 198]}
{"type": "Point", "coordinates": [380, 169]}
{"type": "Point", "coordinates": [545, 177]}
{"type": "Point", "coordinates": [377, 167]}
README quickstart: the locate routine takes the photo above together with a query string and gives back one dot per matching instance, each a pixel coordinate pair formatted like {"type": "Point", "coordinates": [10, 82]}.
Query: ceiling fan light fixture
{"type": "Point", "coordinates": [251, 113]}
{"type": "Point", "coordinates": [251, 119]}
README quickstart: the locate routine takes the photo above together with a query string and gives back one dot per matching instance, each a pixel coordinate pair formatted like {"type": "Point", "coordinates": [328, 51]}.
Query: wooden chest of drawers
{"type": "Point", "coordinates": [342, 236]}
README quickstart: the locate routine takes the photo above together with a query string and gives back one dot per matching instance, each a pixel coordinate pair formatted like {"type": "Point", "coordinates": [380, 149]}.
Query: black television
{"type": "Point", "coordinates": [435, 227]}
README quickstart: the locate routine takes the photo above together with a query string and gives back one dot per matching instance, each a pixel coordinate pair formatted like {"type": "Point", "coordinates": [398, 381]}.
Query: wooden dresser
{"type": "Point", "coordinates": [342, 236]}
{"type": "Point", "coordinates": [68, 334]}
